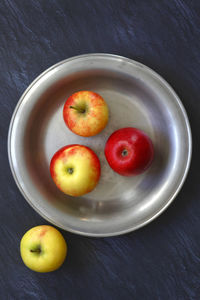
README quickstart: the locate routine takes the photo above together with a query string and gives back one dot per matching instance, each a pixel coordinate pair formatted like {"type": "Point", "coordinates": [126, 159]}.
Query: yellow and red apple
{"type": "Point", "coordinates": [75, 169]}
{"type": "Point", "coordinates": [85, 113]}
{"type": "Point", "coordinates": [43, 248]}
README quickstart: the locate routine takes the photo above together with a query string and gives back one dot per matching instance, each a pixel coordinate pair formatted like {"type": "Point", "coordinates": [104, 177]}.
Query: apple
{"type": "Point", "coordinates": [43, 248]}
{"type": "Point", "coordinates": [75, 169]}
{"type": "Point", "coordinates": [85, 113]}
{"type": "Point", "coordinates": [129, 151]}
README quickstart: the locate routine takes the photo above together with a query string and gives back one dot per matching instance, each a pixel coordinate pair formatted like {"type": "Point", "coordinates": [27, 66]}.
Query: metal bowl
{"type": "Point", "coordinates": [136, 97]}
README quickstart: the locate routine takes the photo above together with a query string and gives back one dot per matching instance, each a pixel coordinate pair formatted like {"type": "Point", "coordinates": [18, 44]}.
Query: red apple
{"type": "Point", "coordinates": [75, 169]}
{"type": "Point", "coordinates": [85, 113]}
{"type": "Point", "coordinates": [129, 151]}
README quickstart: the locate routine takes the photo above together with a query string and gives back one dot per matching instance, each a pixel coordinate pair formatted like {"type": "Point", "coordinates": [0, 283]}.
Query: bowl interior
{"type": "Point", "coordinates": [118, 203]}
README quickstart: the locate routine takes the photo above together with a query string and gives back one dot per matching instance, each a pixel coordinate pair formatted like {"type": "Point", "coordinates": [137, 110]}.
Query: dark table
{"type": "Point", "coordinates": [161, 260]}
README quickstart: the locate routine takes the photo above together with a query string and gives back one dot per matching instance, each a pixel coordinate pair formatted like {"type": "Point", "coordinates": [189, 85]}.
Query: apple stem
{"type": "Point", "coordinates": [70, 170]}
{"type": "Point", "coordinates": [124, 152]}
{"type": "Point", "coordinates": [78, 109]}
{"type": "Point", "coordinates": [36, 250]}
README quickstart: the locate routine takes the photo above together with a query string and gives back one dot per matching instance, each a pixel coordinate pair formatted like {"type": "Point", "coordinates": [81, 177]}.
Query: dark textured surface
{"type": "Point", "coordinates": [160, 261]}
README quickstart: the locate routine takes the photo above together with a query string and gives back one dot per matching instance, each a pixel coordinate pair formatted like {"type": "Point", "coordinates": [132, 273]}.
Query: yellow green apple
{"type": "Point", "coordinates": [43, 248]}
{"type": "Point", "coordinates": [85, 113]}
{"type": "Point", "coordinates": [75, 169]}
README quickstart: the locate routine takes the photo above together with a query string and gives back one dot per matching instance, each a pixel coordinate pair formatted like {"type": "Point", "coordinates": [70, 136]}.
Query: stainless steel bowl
{"type": "Point", "coordinates": [136, 97]}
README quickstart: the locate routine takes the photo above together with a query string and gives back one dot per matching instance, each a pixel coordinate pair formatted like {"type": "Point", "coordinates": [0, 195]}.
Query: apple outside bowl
{"type": "Point", "coordinates": [137, 97]}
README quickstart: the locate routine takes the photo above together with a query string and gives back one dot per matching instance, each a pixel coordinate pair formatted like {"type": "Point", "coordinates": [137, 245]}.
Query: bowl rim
{"type": "Point", "coordinates": [157, 76]}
